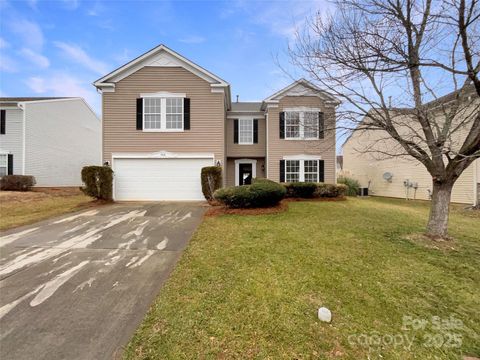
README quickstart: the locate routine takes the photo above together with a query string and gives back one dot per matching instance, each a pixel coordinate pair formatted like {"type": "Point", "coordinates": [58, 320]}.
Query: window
{"type": "Point", "coordinates": [245, 131]}
{"type": "Point", "coordinates": [292, 125]}
{"type": "Point", "coordinates": [3, 164]}
{"type": "Point", "coordinates": [301, 125]}
{"type": "Point", "coordinates": [174, 113]}
{"type": "Point", "coordinates": [292, 170]}
{"type": "Point", "coordinates": [301, 170]}
{"type": "Point", "coordinates": [310, 122]}
{"type": "Point", "coordinates": [311, 170]}
{"type": "Point", "coordinates": [162, 114]}
{"type": "Point", "coordinates": [152, 113]}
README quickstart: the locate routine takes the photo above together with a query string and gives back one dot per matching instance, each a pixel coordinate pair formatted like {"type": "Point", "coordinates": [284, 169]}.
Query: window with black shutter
{"type": "Point", "coordinates": [3, 114]}
{"type": "Point", "coordinates": [282, 125]}
{"type": "Point", "coordinates": [235, 131]}
{"type": "Point", "coordinates": [186, 114]}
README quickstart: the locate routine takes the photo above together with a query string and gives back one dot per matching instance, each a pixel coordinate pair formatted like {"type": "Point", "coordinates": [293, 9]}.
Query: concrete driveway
{"type": "Point", "coordinates": [76, 287]}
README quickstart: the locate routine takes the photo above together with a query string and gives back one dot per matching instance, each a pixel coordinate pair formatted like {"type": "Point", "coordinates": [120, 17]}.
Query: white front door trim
{"type": "Point", "coordinates": [245, 161]}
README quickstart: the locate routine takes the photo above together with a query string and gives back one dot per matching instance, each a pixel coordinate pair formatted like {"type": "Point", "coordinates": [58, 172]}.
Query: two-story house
{"type": "Point", "coordinates": [50, 138]}
{"type": "Point", "coordinates": [165, 117]}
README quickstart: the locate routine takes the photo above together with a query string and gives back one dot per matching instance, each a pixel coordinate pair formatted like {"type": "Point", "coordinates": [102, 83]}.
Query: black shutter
{"type": "Point", "coordinates": [282, 125]}
{"type": "Point", "coordinates": [321, 171]}
{"type": "Point", "coordinates": [282, 171]}
{"type": "Point", "coordinates": [2, 122]}
{"type": "Point", "coordinates": [235, 131]}
{"type": "Point", "coordinates": [139, 114]}
{"type": "Point", "coordinates": [10, 164]}
{"type": "Point", "coordinates": [186, 114]}
{"type": "Point", "coordinates": [321, 125]}
{"type": "Point", "coordinates": [255, 131]}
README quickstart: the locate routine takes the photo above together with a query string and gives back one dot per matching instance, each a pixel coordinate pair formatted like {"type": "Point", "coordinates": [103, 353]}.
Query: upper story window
{"type": "Point", "coordinates": [245, 131]}
{"type": "Point", "coordinates": [163, 114]}
{"type": "Point", "coordinates": [301, 124]}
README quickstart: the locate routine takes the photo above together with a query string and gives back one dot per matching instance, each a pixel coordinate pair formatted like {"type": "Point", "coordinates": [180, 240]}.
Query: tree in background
{"type": "Point", "coordinates": [389, 61]}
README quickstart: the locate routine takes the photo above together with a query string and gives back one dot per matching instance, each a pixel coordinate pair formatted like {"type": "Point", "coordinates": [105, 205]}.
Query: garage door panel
{"type": "Point", "coordinates": [159, 179]}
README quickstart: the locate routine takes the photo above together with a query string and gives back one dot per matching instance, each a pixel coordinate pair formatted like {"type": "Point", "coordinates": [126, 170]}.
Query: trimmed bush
{"type": "Point", "coordinates": [98, 182]}
{"type": "Point", "coordinates": [302, 190]}
{"type": "Point", "coordinates": [330, 190]}
{"type": "Point", "coordinates": [353, 186]}
{"type": "Point", "coordinates": [211, 180]}
{"type": "Point", "coordinates": [17, 182]}
{"type": "Point", "coordinates": [262, 193]}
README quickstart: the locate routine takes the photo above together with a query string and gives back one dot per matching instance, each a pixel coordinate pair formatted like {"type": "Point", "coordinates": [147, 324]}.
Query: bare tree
{"type": "Point", "coordinates": [388, 61]}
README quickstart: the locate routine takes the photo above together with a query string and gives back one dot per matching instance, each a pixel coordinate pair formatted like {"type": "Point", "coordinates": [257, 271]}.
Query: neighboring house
{"type": "Point", "coordinates": [403, 176]}
{"type": "Point", "coordinates": [49, 138]}
{"type": "Point", "coordinates": [339, 163]}
{"type": "Point", "coordinates": [164, 118]}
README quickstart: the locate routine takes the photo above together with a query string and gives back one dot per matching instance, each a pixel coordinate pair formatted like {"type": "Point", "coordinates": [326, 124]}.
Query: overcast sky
{"type": "Point", "coordinates": [60, 47]}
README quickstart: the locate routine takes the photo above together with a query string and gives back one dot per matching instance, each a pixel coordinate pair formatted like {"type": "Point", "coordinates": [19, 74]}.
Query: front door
{"type": "Point", "coordinates": [245, 174]}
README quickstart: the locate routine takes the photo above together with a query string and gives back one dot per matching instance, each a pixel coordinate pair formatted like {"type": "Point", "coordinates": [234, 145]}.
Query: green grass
{"type": "Point", "coordinates": [250, 286]}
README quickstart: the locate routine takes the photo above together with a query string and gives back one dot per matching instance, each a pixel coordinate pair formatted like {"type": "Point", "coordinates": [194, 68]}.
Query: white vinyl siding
{"type": "Point", "coordinates": [61, 138]}
{"type": "Point", "coordinates": [301, 125]}
{"type": "Point", "coordinates": [12, 141]}
{"type": "Point", "coordinates": [245, 131]}
{"type": "Point", "coordinates": [301, 170]}
{"type": "Point", "coordinates": [162, 114]}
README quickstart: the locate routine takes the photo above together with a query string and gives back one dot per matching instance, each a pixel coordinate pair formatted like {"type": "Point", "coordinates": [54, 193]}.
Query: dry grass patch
{"type": "Point", "coordinates": [22, 208]}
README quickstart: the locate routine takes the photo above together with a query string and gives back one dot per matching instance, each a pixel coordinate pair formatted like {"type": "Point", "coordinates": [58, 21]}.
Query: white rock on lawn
{"type": "Point", "coordinates": [324, 314]}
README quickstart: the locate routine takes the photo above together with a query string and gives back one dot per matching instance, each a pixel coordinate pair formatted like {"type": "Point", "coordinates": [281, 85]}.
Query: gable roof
{"type": "Point", "coordinates": [302, 87]}
{"type": "Point", "coordinates": [159, 56]}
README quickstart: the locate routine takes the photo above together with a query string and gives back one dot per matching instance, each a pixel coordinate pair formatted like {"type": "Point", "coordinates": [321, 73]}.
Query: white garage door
{"type": "Point", "coordinates": [159, 179]}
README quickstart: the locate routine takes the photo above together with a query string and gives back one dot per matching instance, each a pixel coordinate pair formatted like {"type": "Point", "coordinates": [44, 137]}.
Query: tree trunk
{"type": "Point", "coordinates": [438, 221]}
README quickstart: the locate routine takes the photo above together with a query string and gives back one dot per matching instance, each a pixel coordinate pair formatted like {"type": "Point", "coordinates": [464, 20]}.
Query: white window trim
{"type": "Point", "coordinates": [245, 161]}
{"type": "Point", "coordinates": [302, 111]}
{"type": "Point", "coordinates": [163, 111]}
{"type": "Point", "coordinates": [251, 123]}
{"type": "Point", "coordinates": [301, 175]}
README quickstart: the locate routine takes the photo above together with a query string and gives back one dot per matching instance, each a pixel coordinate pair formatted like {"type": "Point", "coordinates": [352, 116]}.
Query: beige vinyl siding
{"type": "Point", "coordinates": [277, 148]}
{"type": "Point", "coordinates": [207, 114]}
{"type": "Point", "coordinates": [255, 150]}
{"type": "Point", "coordinates": [368, 169]}
{"type": "Point", "coordinates": [231, 169]}
{"type": "Point", "coordinates": [12, 140]}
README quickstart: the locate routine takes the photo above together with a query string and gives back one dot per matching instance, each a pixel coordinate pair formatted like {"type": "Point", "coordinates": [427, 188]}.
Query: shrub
{"type": "Point", "coordinates": [211, 180]}
{"type": "Point", "coordinates": [17, 182]}
{"type": "Point", "coordinates": [330, 190]}
{"type": "Point", "coordinates": [301, 189]}
{"type": "Point", "coordinates": [353, 186]}
{"type": "Point", "coordinates": [98, 182]}
{"type": "Point", "coordinates": [262, 193]}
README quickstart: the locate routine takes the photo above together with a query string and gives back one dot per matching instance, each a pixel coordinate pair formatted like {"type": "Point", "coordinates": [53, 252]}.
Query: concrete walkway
{"type": "Point", "coordinates": [77, 287]}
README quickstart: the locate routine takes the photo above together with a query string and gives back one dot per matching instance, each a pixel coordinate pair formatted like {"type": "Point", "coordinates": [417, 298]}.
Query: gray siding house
{"type": "Point", "coordinates": [49, 138]}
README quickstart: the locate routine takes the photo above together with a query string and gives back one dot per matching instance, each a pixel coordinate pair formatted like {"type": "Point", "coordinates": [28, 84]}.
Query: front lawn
{"type": "Point", "coordinates": [21, 208]}
{"type": "Point", "coordinates": [250, 286]}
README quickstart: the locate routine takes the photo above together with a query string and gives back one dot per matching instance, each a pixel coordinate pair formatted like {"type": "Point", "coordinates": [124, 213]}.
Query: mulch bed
{"type": "Point", "coordinates": [215, 209]}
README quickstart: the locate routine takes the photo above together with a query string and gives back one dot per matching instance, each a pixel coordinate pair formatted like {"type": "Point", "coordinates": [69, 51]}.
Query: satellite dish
{"type": "Point", "coordinates": [387, 176]}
